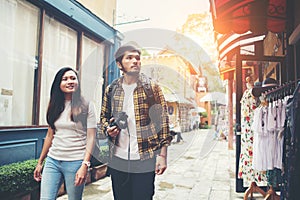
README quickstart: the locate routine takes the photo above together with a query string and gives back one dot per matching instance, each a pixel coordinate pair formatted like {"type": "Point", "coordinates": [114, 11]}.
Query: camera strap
{"type": "Point", "coordinates": [128, 157]}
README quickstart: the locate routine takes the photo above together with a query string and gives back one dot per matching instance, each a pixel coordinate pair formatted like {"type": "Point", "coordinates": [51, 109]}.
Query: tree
{"type": "Point", "coordinates": [199, 28]}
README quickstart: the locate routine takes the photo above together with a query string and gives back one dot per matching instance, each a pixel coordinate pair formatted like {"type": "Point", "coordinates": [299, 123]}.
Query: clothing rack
{"type": "Point", "coordinates": [271, 95]}
{"type": "Point", "coordinates": [274, 94]}
{"type": "Point", "coordinates": [280, 91]}
{"type": "Point", "coordinates": [290, 88]}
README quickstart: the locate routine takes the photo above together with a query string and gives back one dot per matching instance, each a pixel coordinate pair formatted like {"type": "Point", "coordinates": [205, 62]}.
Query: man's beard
{"type": "Point", "coordinates": [132, 73]}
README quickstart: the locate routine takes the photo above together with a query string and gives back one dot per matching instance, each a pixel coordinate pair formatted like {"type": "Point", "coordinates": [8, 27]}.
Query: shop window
{"type": "Point", "coordinates": [92, 71]}
{"type": "Point", "coordinates": [18, 39]}
{"type": "Point", "coordinates": [60, 49]}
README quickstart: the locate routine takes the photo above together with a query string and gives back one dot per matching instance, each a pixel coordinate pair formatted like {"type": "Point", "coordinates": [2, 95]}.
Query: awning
{"type": "Point", "coordinates": [200, 109]}
{"type": "Point", "coordinates": [171, 98]}
{"type": "Point", "coordinates": [257, 16]}
{"type": "Point", "coordinates": [176, 98]}
{"type": "Point", "coordinates": [218, 97]}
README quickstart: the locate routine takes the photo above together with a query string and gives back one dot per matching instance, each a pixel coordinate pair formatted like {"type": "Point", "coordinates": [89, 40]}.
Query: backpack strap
{"type": "Point", "coordinates": [146, 83]}
{"type": "Point", "coordinates": [111, 91]}
{"type": "Point", "coordinates": [155, 112]}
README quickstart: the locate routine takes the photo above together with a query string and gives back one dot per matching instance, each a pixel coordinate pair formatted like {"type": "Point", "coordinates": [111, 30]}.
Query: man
{"type": "Point", "coordinates": [138, 145]}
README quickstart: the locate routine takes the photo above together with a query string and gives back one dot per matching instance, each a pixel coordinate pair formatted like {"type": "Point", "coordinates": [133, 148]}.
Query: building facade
{"type": "Point", "coordinates": [37, 39]}
{"type": "Point", "coordinates": [177, 78]}
{"type": "Point", "coordinates": [258, 39]}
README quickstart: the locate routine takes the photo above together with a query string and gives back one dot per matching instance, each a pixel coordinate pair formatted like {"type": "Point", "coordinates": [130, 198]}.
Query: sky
{"type": "Point", "coordinates": [162, 14]}
{"type": "Point", "coordinates": [162, 19]}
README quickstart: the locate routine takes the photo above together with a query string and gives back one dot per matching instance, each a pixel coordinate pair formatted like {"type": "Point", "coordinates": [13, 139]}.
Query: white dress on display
{"type": "Point", "coordinates": [246, 171]}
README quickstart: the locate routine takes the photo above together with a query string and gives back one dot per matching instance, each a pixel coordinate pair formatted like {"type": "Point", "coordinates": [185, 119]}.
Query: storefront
{"type": "Point", "coordinates": [257, 39]}
{"type": "Point", "coordinates": [37, 38]}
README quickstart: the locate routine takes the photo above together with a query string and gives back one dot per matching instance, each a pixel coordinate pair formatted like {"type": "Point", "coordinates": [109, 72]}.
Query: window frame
{"type": "Point", "coordinates": [81, 31]}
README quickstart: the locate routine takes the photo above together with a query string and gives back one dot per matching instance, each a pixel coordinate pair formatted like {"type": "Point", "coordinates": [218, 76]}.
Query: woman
{"type": "Point", "coordinates": [70, 138]}
{"type": "Point", "coordinates": [177, 130]}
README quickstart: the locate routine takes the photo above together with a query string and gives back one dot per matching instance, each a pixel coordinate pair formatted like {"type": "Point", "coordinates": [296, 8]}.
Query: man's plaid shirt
{"type": "Point", "coordinates": [149, 140]}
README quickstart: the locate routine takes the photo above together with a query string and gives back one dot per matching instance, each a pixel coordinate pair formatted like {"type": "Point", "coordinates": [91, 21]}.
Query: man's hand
{"type": "Point", "coordinates": [161, 164]}
{"type": "Point", "coordinates": [114, 130]}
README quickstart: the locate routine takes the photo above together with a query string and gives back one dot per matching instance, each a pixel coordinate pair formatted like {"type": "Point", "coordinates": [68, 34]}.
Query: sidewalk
{"type": "Point", "coordinates": [200, 168]}
{"type": "Point", "coordinates": [200, 173]}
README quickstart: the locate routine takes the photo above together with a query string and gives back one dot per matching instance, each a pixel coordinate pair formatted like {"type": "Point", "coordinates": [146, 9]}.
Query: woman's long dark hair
{"type": "Point", "coordinates": [57, 101]}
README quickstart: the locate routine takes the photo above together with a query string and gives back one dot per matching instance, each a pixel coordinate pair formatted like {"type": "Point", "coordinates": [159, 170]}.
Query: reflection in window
{"type": "Point", "coordinates": [60, 47]}
{"type": "Point", "coordinates": [18, 39]}
{"type": "Point", "coordinates": [92, 70]}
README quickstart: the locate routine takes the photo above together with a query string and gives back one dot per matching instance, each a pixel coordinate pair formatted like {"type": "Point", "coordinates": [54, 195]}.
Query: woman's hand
{"type": "Point", "coordinates": [37, 174]}
{"type": "Point", "coordinates": [81, 174]}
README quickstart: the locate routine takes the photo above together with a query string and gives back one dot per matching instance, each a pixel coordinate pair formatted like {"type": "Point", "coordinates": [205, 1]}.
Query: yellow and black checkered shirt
{"type": "Point", "coordinates": [149, 138]}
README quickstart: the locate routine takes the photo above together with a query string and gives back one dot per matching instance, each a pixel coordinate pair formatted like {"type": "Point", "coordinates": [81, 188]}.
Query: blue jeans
{"type": "Point", "coordinates": [54, 173]}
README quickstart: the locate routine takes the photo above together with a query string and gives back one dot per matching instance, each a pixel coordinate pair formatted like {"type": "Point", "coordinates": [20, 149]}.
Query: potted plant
{"type": "Point", "coordinates": [16, 180]}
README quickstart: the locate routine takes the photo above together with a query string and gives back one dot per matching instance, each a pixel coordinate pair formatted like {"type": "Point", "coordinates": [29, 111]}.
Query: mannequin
{"type": "Point", "coordinates": [250, 176]}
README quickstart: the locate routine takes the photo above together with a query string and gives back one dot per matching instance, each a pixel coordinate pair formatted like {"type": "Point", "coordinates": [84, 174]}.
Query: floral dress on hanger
{"type": "Point", "coordinates": [246, 172]}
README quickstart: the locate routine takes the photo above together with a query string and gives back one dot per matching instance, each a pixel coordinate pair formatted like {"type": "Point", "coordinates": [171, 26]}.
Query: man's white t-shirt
{"type": "Point", "coordinates": [121, 150]}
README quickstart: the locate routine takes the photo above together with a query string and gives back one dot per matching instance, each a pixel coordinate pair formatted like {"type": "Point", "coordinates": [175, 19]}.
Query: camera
{"type": "Point", "coordinates": [120, 120]}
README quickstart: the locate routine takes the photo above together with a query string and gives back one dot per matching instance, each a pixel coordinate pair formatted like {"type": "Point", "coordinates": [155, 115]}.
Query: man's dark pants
{"type": "Point", "coordinates": [132, 180]}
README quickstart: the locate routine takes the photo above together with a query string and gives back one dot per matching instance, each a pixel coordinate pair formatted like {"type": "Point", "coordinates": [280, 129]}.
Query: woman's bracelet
{"type": "Point", "coordinates": [161, 155]}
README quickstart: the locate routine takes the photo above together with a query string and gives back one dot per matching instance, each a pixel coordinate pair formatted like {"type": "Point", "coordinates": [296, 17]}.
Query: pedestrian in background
{"type": "Point", "coordinates": [175, 127]}
{"type": "Point", "coordinates": [138, 151]}
{"type": "Point", "coordinates": [70, 138]}
{"type": "Point", "coordinates": [179, 138]}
